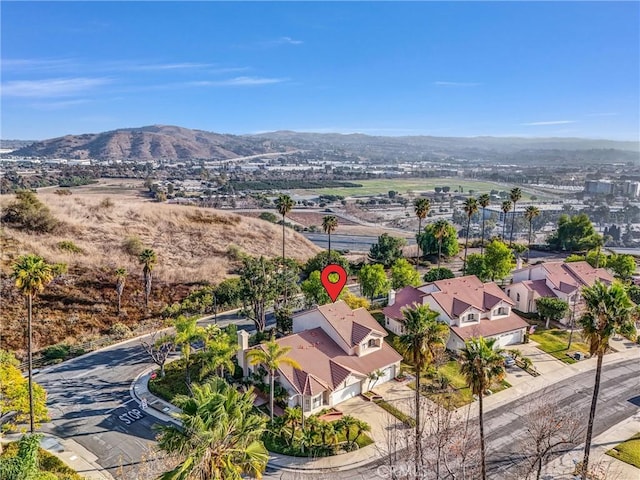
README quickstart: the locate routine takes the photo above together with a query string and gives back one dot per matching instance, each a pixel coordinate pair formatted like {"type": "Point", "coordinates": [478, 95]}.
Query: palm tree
{"type": "Point", "coordinates": [284, 204]}
{"type": "Point", "coordinates": [32, 274]}
{"type": "Point", "coordinates": [373, 377]}
{"type": "Point", "coordinates": [530, 213]}
{"type": "Point", "coordinates": [271, 355]}
{"type": "Point", "coordinates": [218, 352]}
{"type": "Point", "coordinates": [346, 423]}
{"type": "Point", "coordinates": [329, 225]}
{"type": "Point", "coordinates": [293, 417]}
{"type": "Point", "coordinates": [607, 311]}
{"type": "Point", "coordinates": [440, 232]}
{"type": "Point", "coordinates": [515, 195]}
{"type": "Point", "coordinates": [470, 208]}
{"type": "Point", "coordinates": [219, 438]}
{"type": "Point", "coordinates": [483, 200]}
{"type": "Point", "coordinates": [121, 277]}
{"type": "Point", "coordinates": [148, 259]}
{"type": "Point", "coordinates": [506, 208]}
{"type": "Point", "coordinates": [423, 336]}
{"type": "Point", "coordinates": [421, 207]}
{"type": "Point", "coordinates": [187, 332]}
{"type": "Point", "coordinates": [482, 365]}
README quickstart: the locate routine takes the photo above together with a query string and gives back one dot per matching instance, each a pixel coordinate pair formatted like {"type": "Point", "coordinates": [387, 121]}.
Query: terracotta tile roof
{"type": "Point", "coordinates": [469, 290]}
{"type": "Point", "coordinates": [488, 328]}
{"type": "Point", "coordinates": [587, 274]}
{"type": "Point", "coordinates": [540, 287]}
{"type": "Point", "coordinates": [325, 365]}
{"type": "Point", "coordinates": [405, 297]}
{"type": "Point", "coordinates": [556, 273]}
{"type": "Point", "coordinates": [351, 325]}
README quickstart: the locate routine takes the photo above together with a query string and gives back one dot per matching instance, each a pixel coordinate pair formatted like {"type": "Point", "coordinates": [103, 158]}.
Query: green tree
{"type": "Point", "coordinates": [403, 274]}
{"type": "Point", "coordinates": [574, 233]}
{"type": "Point", "coordinates": [607, 311]}
{"type": "Point", "coordinates": [550, 308]}
{"type": "Point", "coordinates": [187, 332]}
{"type": "Point", "coordinates": [373, 281]}
{"type": "Point", "coordinates": [498, 260]}
{"type": "Point", "coordinates": [421, 207]}
{"type": "Point", "coordinates": [272, 356]}
{"type": "Point", "coordinates": [483, 200]}
{"type": "Point", "coordinates": [424, 336]}
{"type": "Point", "coordinates": [322, 259]}
{"type": "Point", "coordinates": [476, 265]}
{"type": "Point", "coordinates": [530, 213]}
{"type": "Point", "coordinates": [506, 208]}
{"type": "Point", "coordinates": [259, 282]}
{"type": "Point", "coordinates": [470, 208]}
{"type": "Point", "coordinates": [329, 225]}
{"type": "Point", "coordinates": [482, 365]}
{"type": "Point", "coordinates": [623, 266]}
{"type": "Point", "coordinates": [436, 274]}
{"type": "Point", "coordinates": [313, 290]}
{"type": "Point", "coordinates": [25, 464]}
{"type": "Point", "coordinates": [148, 259]}
{"type": "Point", "coordinates": [515, 195]}
{"type": "Point", "coordinates": [27, 212]}
{"type": "Point", "coordinates": [121, 277]}
{"type": "Point", "coordinates": [387, 250]}
{"type": "Point", "coordinates": [218, 352]}
{"type": "Point", "coordinates": [220, 435]}
{"type": "Point", "coordinates": [439, 238]}
{"type": "Point", "coordinates": [32, 274]}
{"type": "Point", "coordinates": [14, 393]}
{"type": "Point", "coordinates": [284, 204]}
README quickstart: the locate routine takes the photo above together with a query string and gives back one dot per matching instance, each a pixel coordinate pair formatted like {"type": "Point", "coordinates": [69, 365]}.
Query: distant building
{"type": "Point", "coordinates": [598, 187]}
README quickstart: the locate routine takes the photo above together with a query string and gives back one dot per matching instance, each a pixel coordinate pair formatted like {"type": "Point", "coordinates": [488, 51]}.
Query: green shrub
{"type": "Point", "coordinates": [133, 246]}
{"type": "Point", "coordinates": [404, 418]}
{"type": "Point", "coordinates": [55, 352]}
{"type": "Point", "coordinates": [27, 212]}
{"type": "Point", "coordinates": [268, 216]}
{"type": "Point", "coordinates": [69, 246]}
{"type": "Point", "coordinates": [120, 331]}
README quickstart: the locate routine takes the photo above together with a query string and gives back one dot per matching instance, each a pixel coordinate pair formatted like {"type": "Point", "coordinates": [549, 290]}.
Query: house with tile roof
{"type": "Point", "coordinates": [337, 348]}
{"type": "Point", "coordinates": [553, 279]}
{"type": "Point", "coordinates": [470, 307]}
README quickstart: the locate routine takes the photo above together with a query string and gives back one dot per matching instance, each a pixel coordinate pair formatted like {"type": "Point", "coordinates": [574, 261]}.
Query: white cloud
{"type": "Point", "coordinates": [238, 82]}
{"type": "Point", "coordinates": [549, 122]}
{"type": "Point", "coordinates": [456, 84]}
{"type": "Point", "coordinates": [51, 87]}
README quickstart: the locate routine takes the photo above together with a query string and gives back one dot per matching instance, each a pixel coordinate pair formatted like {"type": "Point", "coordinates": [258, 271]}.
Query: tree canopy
{"type": "Point", "coordinates": [574, 233]}
{"type": "Point", "coordinates": [428, 240]}
{"type": "Point", "coordinates": [373, 281]}
{"type": "Point", "coordinates": [387, 250]}
{"type": "Point", "coordinates": [403, 274]}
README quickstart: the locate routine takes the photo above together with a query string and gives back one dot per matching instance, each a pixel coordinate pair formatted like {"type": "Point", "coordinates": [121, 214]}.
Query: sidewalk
{"type": "Point", "coordinates": [71, 453]}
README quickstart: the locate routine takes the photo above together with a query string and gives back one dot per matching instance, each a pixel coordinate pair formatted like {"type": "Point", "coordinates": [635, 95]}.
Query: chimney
{"type": "Point", "coordinates": [392, 297]}
{"type": "Point", "coordinates": [243, 346]}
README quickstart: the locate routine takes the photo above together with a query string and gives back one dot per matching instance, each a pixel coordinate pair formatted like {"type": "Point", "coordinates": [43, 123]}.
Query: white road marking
{"type": "Point", "coordinates": [119, 406]}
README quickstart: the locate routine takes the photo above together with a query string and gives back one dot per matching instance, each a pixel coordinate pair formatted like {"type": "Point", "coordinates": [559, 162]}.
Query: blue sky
{"type": "Point", "coordinates": [448, 69]}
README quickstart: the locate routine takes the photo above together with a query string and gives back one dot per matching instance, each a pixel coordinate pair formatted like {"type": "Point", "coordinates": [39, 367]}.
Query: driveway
{"type": "Point", "coordinates": [543, 362]}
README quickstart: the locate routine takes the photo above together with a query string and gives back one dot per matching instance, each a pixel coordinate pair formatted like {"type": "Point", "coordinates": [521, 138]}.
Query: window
{"type": "Point", "coordinates": [317, 401]}
{"type": "Point", "coordinates": [517, 297]}
{"type": "Point", "coordinates": [373, 342]}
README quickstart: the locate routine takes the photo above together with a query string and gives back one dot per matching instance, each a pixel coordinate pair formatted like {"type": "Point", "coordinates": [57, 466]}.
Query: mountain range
{"type": "Point", "coordinates": [158, 142]}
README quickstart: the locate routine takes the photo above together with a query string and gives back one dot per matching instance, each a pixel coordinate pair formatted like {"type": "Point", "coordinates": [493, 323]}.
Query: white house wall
{"type": "Point", "coordinates": [523, 304]}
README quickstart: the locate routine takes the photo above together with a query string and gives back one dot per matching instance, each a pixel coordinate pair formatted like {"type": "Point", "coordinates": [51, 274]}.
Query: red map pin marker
{"type": "Point", "coordinates": [333, 288]}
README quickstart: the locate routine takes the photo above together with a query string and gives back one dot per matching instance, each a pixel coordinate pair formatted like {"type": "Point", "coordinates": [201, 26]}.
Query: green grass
{"type": "Point", "coordinates": [48, 463]}
{"type": "Point", "coordinates": [628, 451]}
{"type": "Point", "coordinates": [404, 185]}
{"type": "Point", "coordinates": [554, 342]}
{"type": "Point", "coordinates": [451, 370]}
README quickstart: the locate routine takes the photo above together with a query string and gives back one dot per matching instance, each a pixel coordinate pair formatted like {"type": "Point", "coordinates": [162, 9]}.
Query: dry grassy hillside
{"type": "Point", "coordinates": [193, 245]}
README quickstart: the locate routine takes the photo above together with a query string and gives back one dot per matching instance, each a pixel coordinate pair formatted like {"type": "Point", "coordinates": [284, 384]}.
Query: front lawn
{"type": "Point", "coordinates": [554, 341]}
{"type": "Point", "coordinates": [628, 451]}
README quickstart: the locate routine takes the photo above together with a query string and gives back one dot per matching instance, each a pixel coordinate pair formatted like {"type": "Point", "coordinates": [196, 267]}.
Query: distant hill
{"type": "Point", "coordinates": [175, 143]}
{"type": "Point", "coordinates": [148, 143]}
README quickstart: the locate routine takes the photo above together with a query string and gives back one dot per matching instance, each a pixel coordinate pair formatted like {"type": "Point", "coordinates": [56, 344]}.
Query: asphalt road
{"type": "Point", "coordinates": [89, 401]}
{"type": "Point", "coordinates": [347, 242]}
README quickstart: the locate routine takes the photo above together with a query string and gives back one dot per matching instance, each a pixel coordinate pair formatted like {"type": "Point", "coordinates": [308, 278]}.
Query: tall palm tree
{"type": "Point", "coordinates": [187, 332]}
{"type": "Point", "coordinates": [482, 365]}
{"type": "Point", "coordinates": [121, 277]}
{"type": "Point", "coordinates": [530, 213]}
{"type": "Point", "coordinates": [440, 232]}
{"type": "Point", "coordinates": [148, 259]}
{"type": "Point", "coordinates": [32, 274]}
{"type": "Point", "coordinates": [424, 336]}
{"type": "Point", "coordinates": [607, 311]}
{"type": "Point", "coordinates": [515, 195]}
{"type": "Point", "coordinates": [483, 200]}
{"type": "Point", "coordinates": [421, 207]}
{"type": "Point", "coordinates": [271, 355]}
{"type": "Point", "coordinates": [329, 225]}
{"type": "Point", "coordinates": [506, 208]}
{"type": "Point", "coordinates": [219, 438]}
{"type": "Point", "coordinates": [284, 204]}
{"type": "Point", "coordinates": [470, 208]}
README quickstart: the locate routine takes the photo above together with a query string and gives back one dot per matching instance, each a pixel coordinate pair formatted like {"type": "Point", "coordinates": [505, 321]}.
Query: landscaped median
{"type": "Point", "coordinates": [628, 451]}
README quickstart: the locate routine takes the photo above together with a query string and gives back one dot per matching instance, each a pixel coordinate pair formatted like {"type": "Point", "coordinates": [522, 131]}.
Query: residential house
{"type": "Point", "coordinates": [337, 348]}
{"type": "Point", "coordinates": [470, 308]}
{"type": "Point", "coordinates": [553, 279]}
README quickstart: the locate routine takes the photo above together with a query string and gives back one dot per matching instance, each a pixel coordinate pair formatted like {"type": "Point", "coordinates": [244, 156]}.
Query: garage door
{"type": "Point", "coordinates": [510, 338]}
{"type": "Point", "coordinates": [346, 393]}
{"type": "Point", "coordinates": [388, 375]}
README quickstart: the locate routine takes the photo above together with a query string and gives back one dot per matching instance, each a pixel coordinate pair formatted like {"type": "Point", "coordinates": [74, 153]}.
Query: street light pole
{"type": "Point", "coordinates": [572, 321]}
